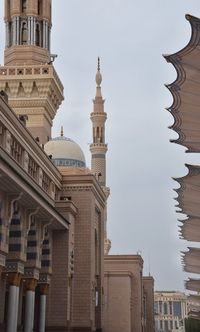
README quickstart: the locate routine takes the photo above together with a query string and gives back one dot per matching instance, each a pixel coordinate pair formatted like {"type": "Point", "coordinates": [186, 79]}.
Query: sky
{"type": "Point", "coordinates": [130, 37]}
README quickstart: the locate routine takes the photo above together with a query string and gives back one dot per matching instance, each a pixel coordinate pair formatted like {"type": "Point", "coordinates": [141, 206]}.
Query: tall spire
{"type": "Point", "coordinates": [98, 148]}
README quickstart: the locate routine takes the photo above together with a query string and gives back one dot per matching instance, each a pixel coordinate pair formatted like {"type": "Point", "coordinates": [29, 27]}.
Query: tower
{"type": "Point", "coordinates": [98, 148]}
{"type": "Point", "coordinates": [28, 76]}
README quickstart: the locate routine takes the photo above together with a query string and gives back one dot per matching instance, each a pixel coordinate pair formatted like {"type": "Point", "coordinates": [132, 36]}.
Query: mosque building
{"type": "Point", "coordinates": [56, 273]}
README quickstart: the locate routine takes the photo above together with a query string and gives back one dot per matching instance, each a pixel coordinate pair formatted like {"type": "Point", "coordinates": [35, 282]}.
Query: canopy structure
{"type": "Point", "coordinates": [190, 229]}
{"type": "Point", "coordinates": [185, 110]}
{"type": "Point", "coordinates": [185, 90]}
{"type": "Point", "coordinates": [191, 260]}
{"type": "Point", "coordinates": [194, 306]}
{"type": "Point", "coordinates": [189, 192]}
{"type": "Point", "coordinates": [193, 284]}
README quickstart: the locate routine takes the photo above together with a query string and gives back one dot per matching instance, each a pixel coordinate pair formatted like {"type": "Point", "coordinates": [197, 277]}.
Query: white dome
{"type": "Point", "coordinates": [65, 152]}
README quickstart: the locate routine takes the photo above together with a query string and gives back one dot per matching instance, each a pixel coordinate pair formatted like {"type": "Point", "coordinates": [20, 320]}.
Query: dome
{"type": "Point", "coordinates": [65, 152]}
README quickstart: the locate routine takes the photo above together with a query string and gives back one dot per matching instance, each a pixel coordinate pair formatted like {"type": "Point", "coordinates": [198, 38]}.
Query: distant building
{"type": "Point", "coordinates": [128, 295]}
{"type": "Point", "coordinates": [170, 311]}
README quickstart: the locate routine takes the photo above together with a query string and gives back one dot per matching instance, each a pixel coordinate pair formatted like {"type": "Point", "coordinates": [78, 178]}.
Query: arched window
{"type": "Point", "coordinates": [24, 33]}
{"type": "Point", "coordinates": [39, 7]}
{"type": "Point", "coordinates": [24, 3]}
{"type": "Point", "coordinates": [98, 137]}
{"type": "Point", "coordinates": [101, 135]}
{"type": "Point", "coordinates": [37, 38]}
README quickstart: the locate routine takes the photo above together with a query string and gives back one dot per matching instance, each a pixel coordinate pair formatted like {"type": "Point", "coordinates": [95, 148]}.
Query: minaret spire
{"type": "Point", "coordinates": [98, 148]}
{"type": "Point", "coordinates": [98, 67]}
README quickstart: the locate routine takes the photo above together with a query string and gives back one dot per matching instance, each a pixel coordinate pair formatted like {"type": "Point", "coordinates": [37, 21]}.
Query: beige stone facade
{"type": "Point", "coordinates": [148, 303]}
{"type": "Point", "coordinates": [128, 295]}
{"type": "Point", "coordinates": [53, 209]}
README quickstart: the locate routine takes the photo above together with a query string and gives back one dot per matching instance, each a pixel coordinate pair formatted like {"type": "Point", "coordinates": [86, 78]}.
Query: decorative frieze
{"type": "Point", "coordinates": [31, 273]}
{"type": "Point", "coordinates": [44, 278]}
{"type": "Point", "coordinates": [14, 267]}
{"type": "Point", "coordinates": [78, 188]}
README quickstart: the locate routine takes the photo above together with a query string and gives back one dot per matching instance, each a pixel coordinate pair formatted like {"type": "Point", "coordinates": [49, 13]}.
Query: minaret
{"type": "Point", "coordinates": [99, 148]}
{"type": "Point", "coordinates": [28, 28]}
{"type": "Point", "coordinates": [28, 76]}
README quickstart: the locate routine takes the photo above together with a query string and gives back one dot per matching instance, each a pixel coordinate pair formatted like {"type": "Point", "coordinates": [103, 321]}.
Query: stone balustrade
{"type": "Point", "coordinates": [31, 70]}
{"type": "Point", "coordinates": [18, 143]}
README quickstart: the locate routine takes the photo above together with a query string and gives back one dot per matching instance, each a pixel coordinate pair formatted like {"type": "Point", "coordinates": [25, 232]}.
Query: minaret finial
{"type": "Point", "coordinates": [62, 132]}
{"type": "Point", "coordinates": [98, 66]}
{"type": "Point", "coordinates": [98, 74]}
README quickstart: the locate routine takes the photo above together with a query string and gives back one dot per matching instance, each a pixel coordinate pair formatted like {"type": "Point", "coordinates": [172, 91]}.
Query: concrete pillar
{"type": "Point", "coordinates": [29, 305]}
{"type": "Point", "coordinates": [42, 316]}
{"type": "Point", "coordinates": [13, 301]}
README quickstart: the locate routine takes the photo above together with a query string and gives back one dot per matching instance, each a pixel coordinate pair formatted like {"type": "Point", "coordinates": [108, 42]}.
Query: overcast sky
{"type": "Point", "coordinates": [130, 36]}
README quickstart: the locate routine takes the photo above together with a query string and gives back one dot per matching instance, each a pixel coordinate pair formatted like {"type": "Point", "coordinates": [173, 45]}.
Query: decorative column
{"type": "Point", "coordinates": [14, 280]}
{"type": "Point", "coordinates": [44, 33]}
{"type": "Point", "coordinates": [7, 34]}
{"type": "Point", "coordinates": [34, 30]}
{"type": "Point", "coordinates": [43, 296]}
{"type": "Point", "coordinates": [29, 30]}
{"type": "Point", "coordinates": [30, 304]}
{"type": "Point", "coordinates": [18, 30]}
{"type": "Point", "coordinates": [49, 38]}
{"type": "Point", "coordinates": [47, 35]}
{"type": "Point", "coordinates": [14, 30]}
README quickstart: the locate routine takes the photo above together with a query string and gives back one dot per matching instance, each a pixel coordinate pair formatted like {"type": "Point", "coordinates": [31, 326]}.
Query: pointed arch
{"type": "Point", "coordinates": [24, 33]}
{"type": "Point", "coordinates": [37, 35]}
